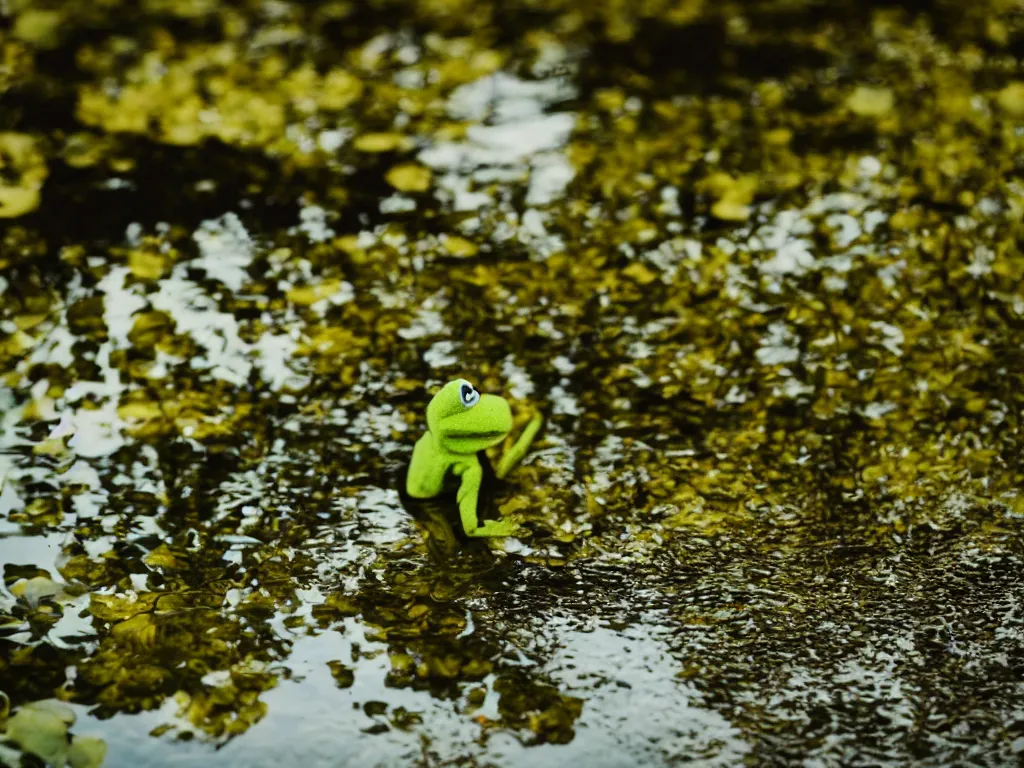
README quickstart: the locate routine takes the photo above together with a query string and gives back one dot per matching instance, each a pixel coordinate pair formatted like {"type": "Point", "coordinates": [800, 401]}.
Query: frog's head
{"type": "Point", "coordinates": [464, 421]}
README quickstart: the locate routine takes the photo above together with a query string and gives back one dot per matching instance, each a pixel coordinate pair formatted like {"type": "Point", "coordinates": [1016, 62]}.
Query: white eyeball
{"type": "Point", "coordinates": [468, 395]}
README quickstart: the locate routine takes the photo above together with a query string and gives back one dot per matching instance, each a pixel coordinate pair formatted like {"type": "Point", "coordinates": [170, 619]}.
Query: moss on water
{"type": "Point", "coordinates": [759, 263]}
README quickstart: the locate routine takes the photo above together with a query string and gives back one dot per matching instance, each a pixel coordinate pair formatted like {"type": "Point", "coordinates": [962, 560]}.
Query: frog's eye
{"type": "Point", "coordinates": [468, 395]}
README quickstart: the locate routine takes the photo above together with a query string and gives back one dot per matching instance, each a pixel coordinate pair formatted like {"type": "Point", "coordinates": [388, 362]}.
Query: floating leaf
{"type": "Point", "coordinates": [1011, 98]}
{"type": "Point", "coordinates": [86, 752]}
{"type": "Point", "coordinates": [733, 195]}
{"type": "Point", "coordinates": [138, 631]}
{"type": "Point", "coordinates": [38, 27]}
{"type": "Point", "coordinates": [380, 142]}
{"type": "Point", "coordinates": [35, 589]}
{"type": "Point", "coordinates": [459, 247]}
{"type": "Point", "coordinates": [147, 265]}
{"type": "Point", "coordinates": [149, 327]}
{"type": "Point", "coordinates": [409, 177]}
{"type": "Point", "coordinates": [22, 173]}
{"type": "Point", "coordinates": [162, 557]}
{"type": "Point", "coordinates": [343, 675]}
{"type": "Point", "coordinates": [307, 295]}
{"type": "Point", "coordinates": [41, 729]}
{"type": "Point", "coordinates": [54, 446]}
{"type": "Point", "coordinates": [870, 102]}
{"type": "Point", "coordinates": [339, 89]}
{"type": "Point", "coordinates": [55, 708]}
{"type": "Point", "coordinates": [120, 607]}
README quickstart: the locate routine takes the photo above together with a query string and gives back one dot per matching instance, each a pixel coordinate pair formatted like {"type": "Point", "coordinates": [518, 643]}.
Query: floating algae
{"type": "Point", "coordinates": [758, 263]}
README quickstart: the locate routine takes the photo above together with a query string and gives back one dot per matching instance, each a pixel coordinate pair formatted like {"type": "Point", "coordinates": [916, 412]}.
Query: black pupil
{"type": "Point", "coordinates": [467, 392]}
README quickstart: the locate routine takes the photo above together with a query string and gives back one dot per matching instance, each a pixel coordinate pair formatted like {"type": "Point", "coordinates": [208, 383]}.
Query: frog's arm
{"type": "Point", "coordinates": [516, 452]}
{"type": "Point", "coordinates": [469, 493]}
{"type": "Point", "coordinates": [426, 471]}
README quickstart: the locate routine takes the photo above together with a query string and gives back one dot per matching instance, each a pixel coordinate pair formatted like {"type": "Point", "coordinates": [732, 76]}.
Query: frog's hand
{"type": "Point", "coordinates": [468, 496]}
{"type": "Point", "coordinates": [516, 452]}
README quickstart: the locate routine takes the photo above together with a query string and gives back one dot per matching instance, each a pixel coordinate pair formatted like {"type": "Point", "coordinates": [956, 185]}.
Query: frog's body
{"type": "Point", "coordinates": [461, 422]}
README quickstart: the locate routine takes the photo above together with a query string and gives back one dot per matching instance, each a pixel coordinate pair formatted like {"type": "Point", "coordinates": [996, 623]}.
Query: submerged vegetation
{"type": "Point", "coordinates": [758, 262]}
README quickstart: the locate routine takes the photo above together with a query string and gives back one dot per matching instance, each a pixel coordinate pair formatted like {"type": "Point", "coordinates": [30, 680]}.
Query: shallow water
{"type": "Point", "coordinates": [759, 264]}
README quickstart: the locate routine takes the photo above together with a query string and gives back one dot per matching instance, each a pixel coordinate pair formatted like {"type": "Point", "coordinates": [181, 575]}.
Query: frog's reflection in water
{"type": "Point", "coordinates": [461, 562]}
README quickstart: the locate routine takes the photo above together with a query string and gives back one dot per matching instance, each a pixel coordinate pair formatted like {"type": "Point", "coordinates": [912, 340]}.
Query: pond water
{"type": "Point", "coordinates": [758, 263]}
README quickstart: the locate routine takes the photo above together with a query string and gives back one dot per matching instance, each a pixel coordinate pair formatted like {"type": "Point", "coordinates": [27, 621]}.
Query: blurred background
{"type": "Point", "coordinates": [758, 262]}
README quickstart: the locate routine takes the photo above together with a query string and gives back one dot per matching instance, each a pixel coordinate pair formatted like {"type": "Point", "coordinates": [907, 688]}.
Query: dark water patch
{"type": "Point", "coordinates": [162, 187]}
{"type": "Point", "coordinates": [679, 60]}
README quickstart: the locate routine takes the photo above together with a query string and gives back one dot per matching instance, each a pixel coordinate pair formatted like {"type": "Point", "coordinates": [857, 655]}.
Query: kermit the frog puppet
{"type": "Point", "coordinates": [460, 423]}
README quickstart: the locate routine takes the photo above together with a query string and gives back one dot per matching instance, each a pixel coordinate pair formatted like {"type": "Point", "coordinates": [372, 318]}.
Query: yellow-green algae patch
{"type": "Point", "coordinates": [24, 170]}
{"type": "Point", "coordinates": [760, 264]}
